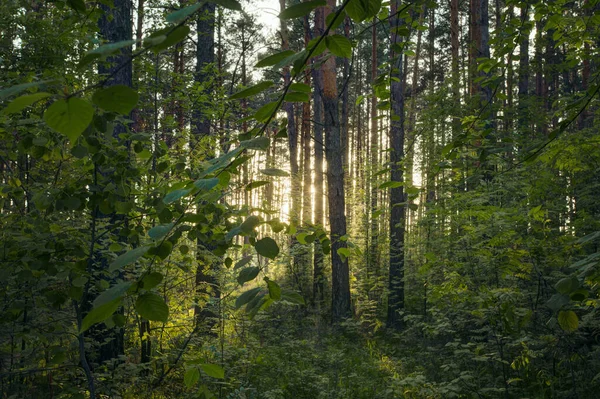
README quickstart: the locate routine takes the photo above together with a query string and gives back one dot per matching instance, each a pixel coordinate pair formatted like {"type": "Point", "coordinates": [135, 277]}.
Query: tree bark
{"type": "Point", "coordinates": [317, 75]}
{"type": "Point", "coordinates": [397, 197]}
{"type": "Point", "coordinates": [207, 284]}
{"type": "Point", "coordinates": [522, 119]}
{"type": "Point", "coordinates": [114, 25]}
{"type": "Point", "coordinates": [340, 300]}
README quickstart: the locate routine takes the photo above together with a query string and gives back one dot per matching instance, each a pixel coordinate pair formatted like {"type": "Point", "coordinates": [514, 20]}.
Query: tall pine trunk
{"type": "Point", "coordinates": [317, 75]}
{"type": "Point", "coordinates": [340, 299]}
{"type": "Point", "coordinates": [397, 197]}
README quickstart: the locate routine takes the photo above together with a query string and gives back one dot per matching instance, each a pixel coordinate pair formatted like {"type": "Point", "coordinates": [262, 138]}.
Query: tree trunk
{"type": "Point", "coordinates": [523, 119]}
{"type": "Point", "coordinates": [114, 25]}
{"type": "Point", "coordinates": [207, 284]}
{"type": "Point", "coordinates": [372, 260]}
{"type": "Point", "coordinates": [317, 74]}
{"type": "Point", "coordinates": [340, 304]}
{"type": "Point", "coordinates": [397, 197]}
{"type": "Point", "coordinates": [454, 35]}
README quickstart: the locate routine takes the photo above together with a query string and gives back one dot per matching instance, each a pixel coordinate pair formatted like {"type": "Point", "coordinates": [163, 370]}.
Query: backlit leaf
{"type": "Point", "coordinates": [301, 9]}
{"type": "Point", "coordinates": [117, 98]}
{"type": "Point", "coordinates": [213, 370]}
{"type": "Point", "coordinates": [339, 45]}
{"type": "Point", "coordinates": [127, 258]}
{"type": "Point", "coordinates": [252, 91]}
{"type": "Point", "coordinates": [117, 291]}
{"type": "Point", "coordinates": [20, 103]}
{"type": "Point", "coordinates": [69, 117]}
{"type": "Point", "coordinates": [191, 377]}
{"type": "Point", "coordinates": [152, 307]}
{"type": "Point", "coordinates": [274, 290]}
{"type": "Point", "coordinates": [274, 59]}
{"type": "Point", "coordinates": [99, 314]}
{"type": "Point", "coordinates": [567, 320]}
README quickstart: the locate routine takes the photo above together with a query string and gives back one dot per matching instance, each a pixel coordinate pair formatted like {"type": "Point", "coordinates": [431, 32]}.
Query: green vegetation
{"type": "Point", "coordinates": [379, 200]}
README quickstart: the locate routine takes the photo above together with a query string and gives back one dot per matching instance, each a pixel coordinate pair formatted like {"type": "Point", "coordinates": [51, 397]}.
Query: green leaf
{"type": "Point", "coordinates": [302, 9]}
{"type": "Point", "coordinates": [256, 184]}
{"type": "Point", "coordinates": [274, 290]}
{"type": "Point", "coordinates": [252, 90]}
{"type": "Point", "coordinates": [99, 314]}
{"type": "Point", "coordinates": [20, 103]}
{"type": "Point", "coordinates": [232, 233]}
{"type": "Point", "coordinates": [213, 370]}
{"type": "Point", "coordinates": [579, 295]}
{"type": "Point", "coordinates": [301, 237]}
{"type": "Point", "coordinates": [344, 253]}
{"type": "Point", "coordinates": [176, 195]}
{"type": "Point", "coordinates": [12, 90]}
{"type": "Point", "coordinates": [191, 377]}
{"type": "Point", "coordinates": [246, 297]}
{"type": "Point", "coordinates": [79, 281]}
{"type": "Point", "coordinates": [77, 5]}
{"type": "Point", "coordinates": [250, 224]}
{"type": "Point", "coordinates": [391, 184]}
{"type": "Point", "coordinates": [266, 111]}
{"type": "Point", "coordinates": [557, 301]}
{"type": "Point", "coordinates": [230, 4]}
{"type": "Point", "coordinates": [207, 184]}
{"type": "Point", "coordinates": [158, 232]}
{"type": "Point", "coordinates": [274, 59]}
{"type": "Point", "coordinates": [338, 20]}
{"type": "Point", "coordinates": [181, 14]}
{"type": "Point", "coordinates": [127, 258]}
{"type": "Point", "coordinates": [117, 291]}
{"type": "Point", "coordinates": [320, 46]}
{"type": "Point", "coordinates": [267, 247]}
{"type": "Point", "coordinates": [151, 280]}
{"type": "Point", "coordinates": [117, 98]}
{"type": "Point", "coordinates": [301, 87]}
{"type": "Point", "coordinates": [274, 172]}
{"type": "Point", "coordinates": [359, 10]}
{"type": "Point", "coordinates": [164, 249]}
{"type": "Point", "coordinates": [292, 297]}
{"type": "Point", "coordinates": [257, 143]}
{"type": "Point", "coordinates": [567, 285]}
{"type": "Point", "coordinates": [69, 117]}
{"type": "Point", "coordinates": [296, 97]}
{"type": "Point", "coordinates": [104, 51]}
{"type": "Point", "coordinates": [173, 36]}
{"type": "Point", "coordinates": [247, 274]}
{"type": "Point", "coordinates": [567, 320]}
{"type": "Point", "coordinates": [242, 262]}
{"type": "Point", "coordinates": [152, 307]}
{"type": "Point", "coordinates": [339, 45]}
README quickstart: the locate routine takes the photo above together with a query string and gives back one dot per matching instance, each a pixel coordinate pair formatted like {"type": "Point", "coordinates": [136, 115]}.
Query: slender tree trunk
{"type": "Point", "coordinates": [372, 260]}
{"type": "Point", "coordinates": [114, 25]}
{"type": "Point", "coordinates": [345, 132]}
{"type": "Point", "coordinates": [397, 197]}
{"type": "Point", "coordinates": [340, 304]}
{"type": "Point", "coordinates": [207, 284]}
{"type": "Point", "coordinates": [522, 118]}
{"type": "Point", "coordinates": [317, 74]}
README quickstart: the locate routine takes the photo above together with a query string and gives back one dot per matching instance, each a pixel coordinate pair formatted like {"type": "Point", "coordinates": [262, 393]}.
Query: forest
{"type": "Point", "coordinates": [299, 199]}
